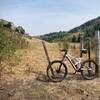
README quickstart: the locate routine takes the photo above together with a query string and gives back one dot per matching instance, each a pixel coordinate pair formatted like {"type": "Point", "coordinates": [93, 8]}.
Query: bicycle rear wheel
{"type": "Point", "coordinates": [89, 70]}
{"type": "Point", "coordinates": [56, 71]}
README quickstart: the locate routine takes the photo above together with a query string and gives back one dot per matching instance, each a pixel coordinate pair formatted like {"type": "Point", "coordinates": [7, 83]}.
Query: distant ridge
{"type": "Point", "coordinates": [89, 25]}
{"type": "Point", "coordinates": [88, 28]}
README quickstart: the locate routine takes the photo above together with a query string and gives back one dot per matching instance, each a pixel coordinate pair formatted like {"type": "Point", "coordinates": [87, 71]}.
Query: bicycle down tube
{"type": "Point", "coordinates": [68, 56]}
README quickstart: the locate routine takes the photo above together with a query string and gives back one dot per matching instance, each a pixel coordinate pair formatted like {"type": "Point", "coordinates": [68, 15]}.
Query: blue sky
{"type": "Point", "coordinates": [44, 16]}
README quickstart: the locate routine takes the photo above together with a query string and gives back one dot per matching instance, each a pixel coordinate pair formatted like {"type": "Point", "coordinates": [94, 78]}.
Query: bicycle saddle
{"type": "Point", "coordinates": [84, 51]}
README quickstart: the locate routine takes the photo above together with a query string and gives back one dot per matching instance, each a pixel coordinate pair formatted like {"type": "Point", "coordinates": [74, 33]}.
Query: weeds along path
{"type": "Point", "coordinates": [29, 82]}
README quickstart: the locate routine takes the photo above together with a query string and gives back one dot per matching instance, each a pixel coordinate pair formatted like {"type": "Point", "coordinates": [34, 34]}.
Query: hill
{"type": "Point", "coordinates": [87, 28]}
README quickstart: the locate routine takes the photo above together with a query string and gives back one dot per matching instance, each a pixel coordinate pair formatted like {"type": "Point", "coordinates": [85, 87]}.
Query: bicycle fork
{"type": "Point", "coordinates": [61, 63]}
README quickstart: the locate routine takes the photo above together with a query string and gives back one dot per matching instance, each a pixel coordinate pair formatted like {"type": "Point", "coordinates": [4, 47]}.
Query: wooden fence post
{"type": "Point", "coordinates": [97, 39]}
{"type": "Point", "coordinates": [46, 52]}
{"type": "Point", "coordinates": [81, 43]}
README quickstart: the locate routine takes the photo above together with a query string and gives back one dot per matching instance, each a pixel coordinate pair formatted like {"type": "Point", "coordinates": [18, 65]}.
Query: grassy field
{"type": "Point", "coordinates": [24, 77]}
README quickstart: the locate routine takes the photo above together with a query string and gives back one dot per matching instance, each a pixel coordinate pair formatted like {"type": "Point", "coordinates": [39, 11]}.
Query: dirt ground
{"type": "Point", "coordinates": [37, 87]}
{"type": "Point", "coordinates": [27, 79]}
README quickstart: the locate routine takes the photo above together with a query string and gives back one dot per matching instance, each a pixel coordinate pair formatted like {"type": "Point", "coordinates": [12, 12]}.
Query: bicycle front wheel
{"type": "Point", "coordinates": [56, 71]}
{"type": "Point", "coordinates": [89, 69]}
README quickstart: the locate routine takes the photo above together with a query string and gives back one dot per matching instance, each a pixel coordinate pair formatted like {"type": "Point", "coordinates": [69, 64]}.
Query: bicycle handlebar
{"type": "Point", "coordinates": [63, 50]}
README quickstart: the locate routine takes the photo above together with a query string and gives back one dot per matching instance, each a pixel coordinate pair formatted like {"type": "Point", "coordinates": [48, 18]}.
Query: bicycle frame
{"type": "Point", "coordinates": [69, 57]}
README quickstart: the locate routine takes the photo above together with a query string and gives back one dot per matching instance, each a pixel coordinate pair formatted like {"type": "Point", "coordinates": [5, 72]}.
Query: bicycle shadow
{"type": "Point", "coordinates": [43, 77]}
{"type": "Point", "coordinates": [72, 76]}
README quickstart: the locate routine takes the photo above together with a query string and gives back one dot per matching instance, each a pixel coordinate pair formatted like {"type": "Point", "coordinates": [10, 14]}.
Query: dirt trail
{"type": "Point", "coordinates": [29, 82]}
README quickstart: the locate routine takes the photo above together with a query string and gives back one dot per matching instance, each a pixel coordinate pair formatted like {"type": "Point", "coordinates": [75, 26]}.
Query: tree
{"type": "Point", "coordinates": [74, 39]}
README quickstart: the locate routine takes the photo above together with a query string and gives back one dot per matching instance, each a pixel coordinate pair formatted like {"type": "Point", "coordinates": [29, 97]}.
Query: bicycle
{"type": "Point", "coordinates": [57, 69]}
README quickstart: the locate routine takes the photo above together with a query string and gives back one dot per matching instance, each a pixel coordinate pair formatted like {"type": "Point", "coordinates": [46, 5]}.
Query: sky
{"type": "Point", "coordinates": [44, 16]}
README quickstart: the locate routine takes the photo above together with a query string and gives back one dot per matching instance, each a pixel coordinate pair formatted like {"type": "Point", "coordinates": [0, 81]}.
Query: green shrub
{"type": "Point", "coordinates": [9, 43]}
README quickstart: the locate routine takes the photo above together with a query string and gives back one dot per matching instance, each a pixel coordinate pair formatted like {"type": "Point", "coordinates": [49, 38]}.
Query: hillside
{"type": "Point", "coordinates": [88, 28]}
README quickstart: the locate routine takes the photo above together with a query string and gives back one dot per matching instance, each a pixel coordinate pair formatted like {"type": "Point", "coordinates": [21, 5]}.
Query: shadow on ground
{"type": "Point", "coordinates": [43, 77]}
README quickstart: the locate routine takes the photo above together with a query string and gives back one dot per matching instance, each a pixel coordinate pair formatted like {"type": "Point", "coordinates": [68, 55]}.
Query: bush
{"type": "Point", "coordinates": [74, 39]}
{"type": "Point", "coordinates": [9, 43]}
{"type": "Point", "coordinates": [7, 46]}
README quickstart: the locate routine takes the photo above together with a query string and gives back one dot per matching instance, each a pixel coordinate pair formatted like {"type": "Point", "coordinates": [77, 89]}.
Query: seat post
{"type": "Point", "coordinates": [89, 51]}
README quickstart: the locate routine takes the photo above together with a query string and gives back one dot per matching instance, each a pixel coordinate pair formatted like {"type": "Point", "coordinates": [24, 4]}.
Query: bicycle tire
{"type": "Point", "coordinates": [52, 77]}
{"type": "Point", "coordinates": [90, 74]}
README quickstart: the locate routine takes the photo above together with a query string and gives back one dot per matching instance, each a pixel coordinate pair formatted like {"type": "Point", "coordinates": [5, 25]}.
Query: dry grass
{"type": "Point", "coordinates": [30, 71]}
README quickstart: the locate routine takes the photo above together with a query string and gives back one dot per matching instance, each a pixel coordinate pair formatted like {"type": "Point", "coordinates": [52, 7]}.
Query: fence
{"type": "Point", "coordinates": [97, 46]}
{"type": "Point", "coordinates": [97, 41]}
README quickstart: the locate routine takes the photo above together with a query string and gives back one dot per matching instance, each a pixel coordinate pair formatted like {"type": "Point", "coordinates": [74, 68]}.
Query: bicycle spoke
{"type": "Point", "coordinates": [57, 71]}
{"type": "Point", "coordinates": [89, 69]}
